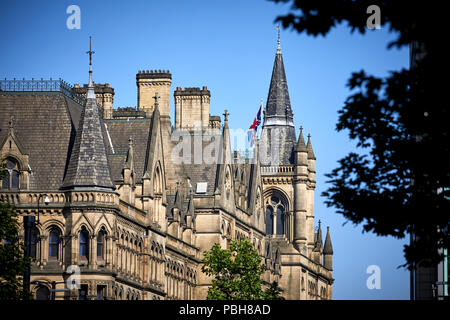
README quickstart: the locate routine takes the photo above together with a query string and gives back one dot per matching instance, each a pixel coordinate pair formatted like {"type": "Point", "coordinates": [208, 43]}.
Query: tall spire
{"type": "Point", "coordinates": [278, 131]}
{"type": "Point", "coordinates": [88, 165]}
{"type": "Point", "coordinates": [278, 106]}
{"type": "Point", "coordinates": [90, 91]}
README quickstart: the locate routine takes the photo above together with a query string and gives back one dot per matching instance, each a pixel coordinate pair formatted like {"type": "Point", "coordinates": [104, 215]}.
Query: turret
{"type": "Point", "coordinates": [300, 193]}
{"type": "Point", "coordinates": [311, 160]}
{"type": "Point", "coordinates": [328, 252]}
{"type": "Point", "coordinates": [301, 154]}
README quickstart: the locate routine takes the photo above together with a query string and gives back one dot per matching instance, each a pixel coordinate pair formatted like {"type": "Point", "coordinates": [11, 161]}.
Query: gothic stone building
{"type": "Point", "coordinates": [131, 219]}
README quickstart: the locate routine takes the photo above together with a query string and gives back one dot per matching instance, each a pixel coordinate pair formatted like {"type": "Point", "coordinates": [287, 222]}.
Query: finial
{"type": "Point", "coordinates": [309, 136]}
{"type": "Point", "coordinates": [90, 94]}
{"type": "Point", "coordinates": [156, 97]}
{"type": "Point", "coordinates": [226, 114]}
{"type": "Point", "coordinates": [90, 52]}
{"type": "Point", "coordinates": [301, 129]}
{"type": "Point", "coordinates": [11, 125]}
{"type": "Point", "coordinates": [279, 41]}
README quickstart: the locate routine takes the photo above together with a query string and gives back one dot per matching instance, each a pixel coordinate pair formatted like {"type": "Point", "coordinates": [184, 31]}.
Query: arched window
{"type": "Point", "coordinates": [11, 177]}
{"type": "Point", "coordinates": [275, 214]}
{"type": "Point", "coordinates": [101, 245]}
{"type": "Point", "coordinates": [5, 180]}
{"type": "Point", "coordinates": [34, 242]}
{"type": "Point", "coordinates": [269, 220]}
{"type": "Point", "coordinates": [53, 247]}
{"type": "Point", "coordinates": [42, 293]}
{"type": "Point", "coordinates": [280, 219]}
{"type": "Point", "coordinates": [84, 244]}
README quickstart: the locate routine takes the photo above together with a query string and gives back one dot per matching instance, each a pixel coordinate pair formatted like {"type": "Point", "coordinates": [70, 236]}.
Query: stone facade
{"type": "Point", "coordinates": [148, 84]}
{"type": "Point", "coordinates": [133, 221]}
{"type": "Point", "coordinates": [191, 107]}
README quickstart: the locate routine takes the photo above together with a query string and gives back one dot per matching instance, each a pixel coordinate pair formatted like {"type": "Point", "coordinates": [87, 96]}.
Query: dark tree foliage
{"type": "Point", "coordinates": [399, 181]}
{"type": "Point", "coordinates": [237, 273]}
{"type": "Point", "coordinates": [12, 260]}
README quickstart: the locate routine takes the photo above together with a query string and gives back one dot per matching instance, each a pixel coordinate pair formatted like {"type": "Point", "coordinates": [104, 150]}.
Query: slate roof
{"type": "Point", "coordinates": [45, 126]}
{"type": "Point", "coordinates": [278, 102]}
{"type": "Point", "coordinates": [202, 172]}
{"type": "Point", "coordinates": [120, 130]}
{"type": "Point", "coordinates": [116, 163]}
{"type": "Point", "coordinates": [88, 165]}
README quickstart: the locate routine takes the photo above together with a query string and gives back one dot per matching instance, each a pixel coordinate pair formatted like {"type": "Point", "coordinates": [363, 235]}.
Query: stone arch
{"type": "Point", "coordinates": [276, 204]}
{"type": "Point", "coordinates": [274, 191]}
{"type": "Point", "coordinates": [52, 222]}
{"type": "Point", "coordinates": [86, 226]}
{"type": "Point", "coordinates": [102, 226]}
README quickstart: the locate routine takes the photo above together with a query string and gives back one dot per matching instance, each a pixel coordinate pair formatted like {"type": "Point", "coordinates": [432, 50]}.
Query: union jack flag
{"type": "Point", "coordinates": [254, 127]}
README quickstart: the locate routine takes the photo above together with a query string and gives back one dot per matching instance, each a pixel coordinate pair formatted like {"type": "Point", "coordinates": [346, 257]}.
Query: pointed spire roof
{"type": "Point", "coordinates": [151, 142]}
{"type": "Point", "coordinates": [328, 248]}
{"type": "Point", "coordinates": [301, 146]}
{"type": "Point", "coordinates": [224, 157]}
{"type": "Point", "coordinates": [225, 152]}
{"type": "Point", "coordinates": [318, 245]}
{"type": "Point", "coordinates": [278, 106]}
{"type": "Point", "coordinates": [88, 165]}
{"type": "Point", "coordinates": [310, 149]}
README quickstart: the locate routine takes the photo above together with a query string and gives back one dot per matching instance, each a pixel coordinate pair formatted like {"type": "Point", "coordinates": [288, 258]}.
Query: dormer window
{"type": "Point", "coordinates": [10, 180]}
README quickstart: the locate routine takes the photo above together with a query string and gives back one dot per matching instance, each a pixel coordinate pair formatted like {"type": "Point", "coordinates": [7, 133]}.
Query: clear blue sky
{"type": "Point", "coordinates": [228, 46]}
